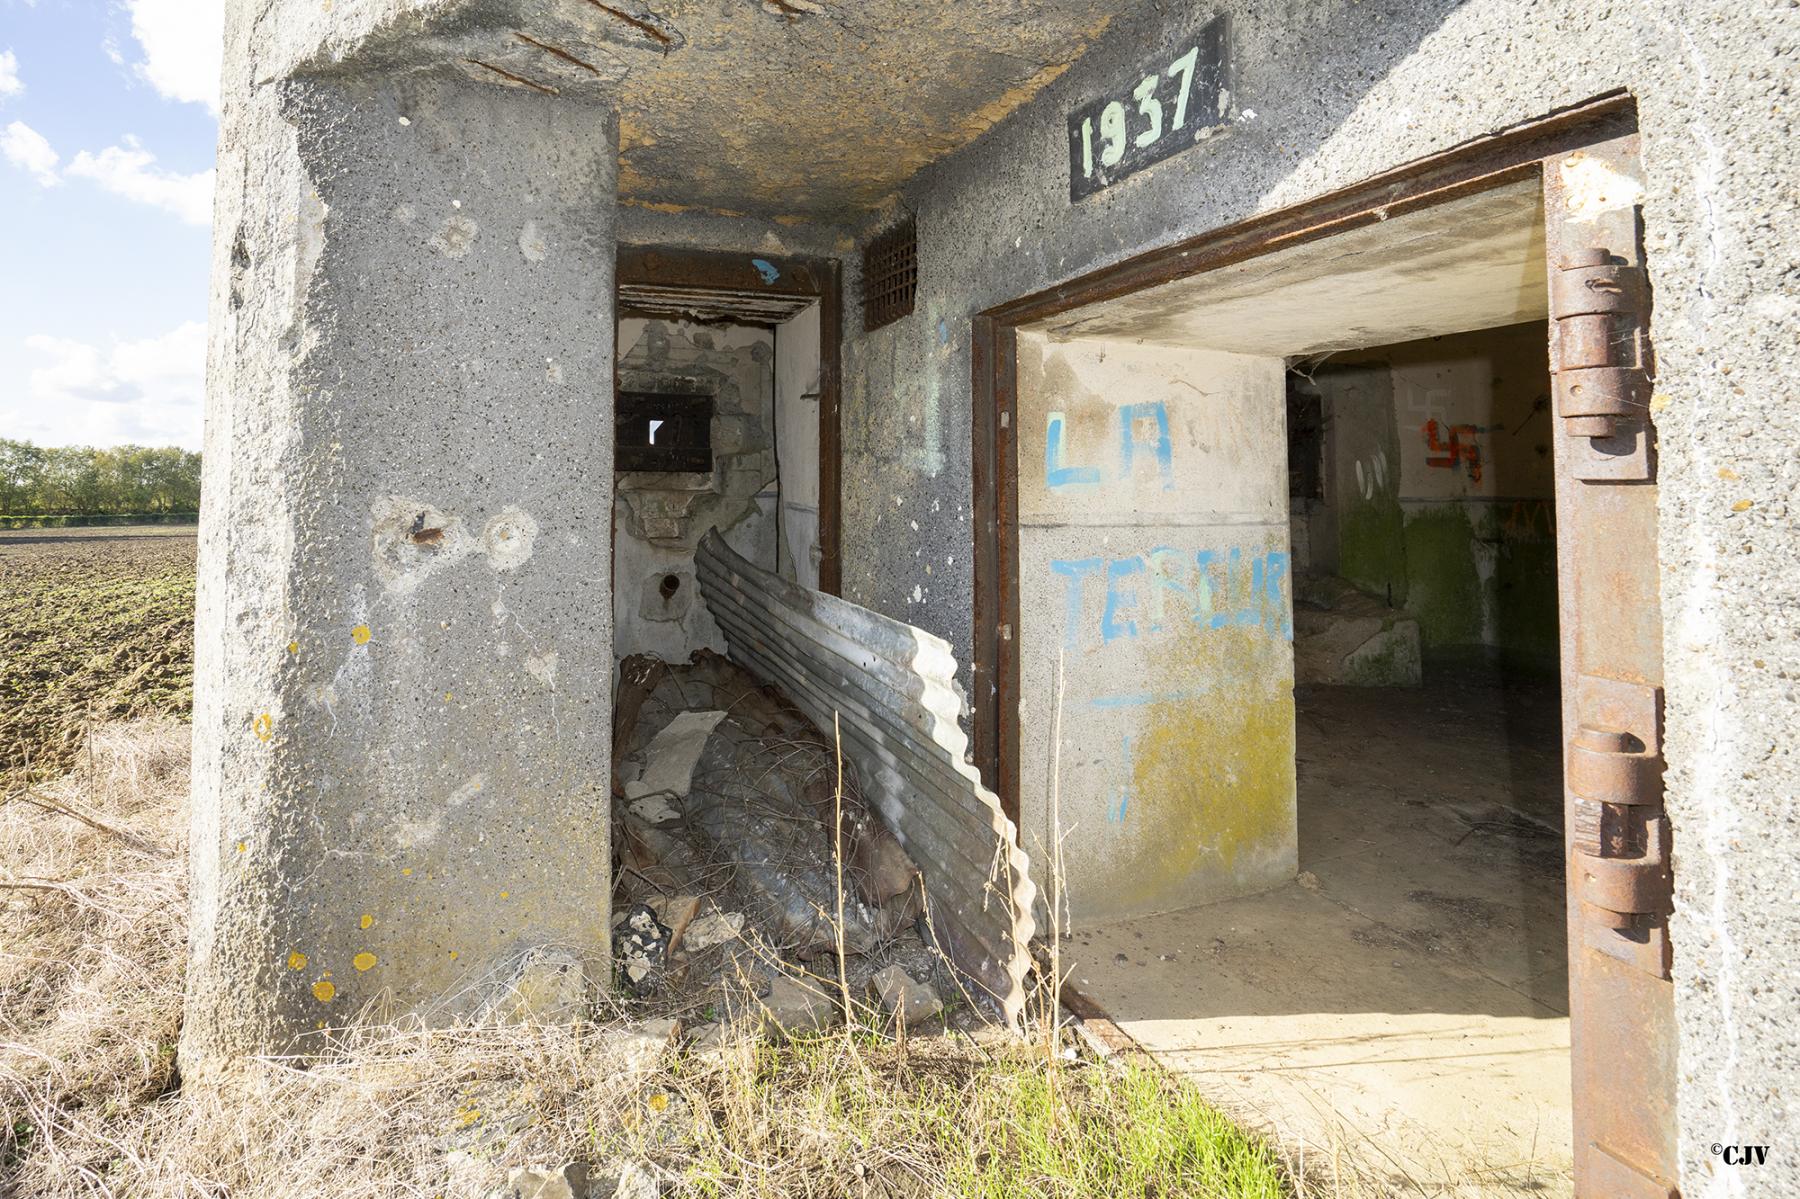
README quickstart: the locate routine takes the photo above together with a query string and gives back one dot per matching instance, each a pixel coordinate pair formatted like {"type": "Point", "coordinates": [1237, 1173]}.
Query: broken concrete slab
{"type": "Point", "coordinates": [640, 1047]}
{"type": "Point", "coordinates": [800, 1005]}
{"type": "Point", "coordinates": [904, 999]}
{"type": "Point", "coordinates": [669, 760]}
{"type": "Point", "coordinates": [1343, 636]}
{"type": "Point", "coordinates": [654, 809]}
{"type": "Point", "coordinates": [547, 1182]}
{"type": "Point", "coordinates": [714, 928]}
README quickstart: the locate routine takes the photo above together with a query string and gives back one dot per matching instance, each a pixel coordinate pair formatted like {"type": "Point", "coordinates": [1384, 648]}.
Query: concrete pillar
{"type": "Point", "coordinates": [1154, 582]}
{"type": "Point", "coordinates": [402, 717]}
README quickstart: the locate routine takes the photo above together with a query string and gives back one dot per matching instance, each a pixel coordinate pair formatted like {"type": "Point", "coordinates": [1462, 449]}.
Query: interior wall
{"type": "Point", "coordinates": [797, 364]}
{"type": "Point", "coordinates": [1153, 573]}
{"type": "Point", "coordinates": [1440, 487]}
{"type": "Point", "coordinates": [659, 518]}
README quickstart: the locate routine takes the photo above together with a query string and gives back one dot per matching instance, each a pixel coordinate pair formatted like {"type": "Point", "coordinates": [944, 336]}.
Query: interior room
{"type": "Point", "coordinates": [1289, 710]}
{"type": "Point", "coordinates": [716, 425]}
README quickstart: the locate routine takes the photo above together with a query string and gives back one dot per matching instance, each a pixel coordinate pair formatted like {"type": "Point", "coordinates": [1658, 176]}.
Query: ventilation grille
{"type": "Point", "coordinates": [890, 276]}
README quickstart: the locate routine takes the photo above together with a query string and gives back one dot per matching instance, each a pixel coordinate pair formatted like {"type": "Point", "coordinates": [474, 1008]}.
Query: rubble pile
{"type": "Point", "coordinates": [734, 847]}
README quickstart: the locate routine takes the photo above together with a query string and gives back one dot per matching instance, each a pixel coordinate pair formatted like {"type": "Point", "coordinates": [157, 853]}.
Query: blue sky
{"type": "Point", "coordinates": [107, 131]}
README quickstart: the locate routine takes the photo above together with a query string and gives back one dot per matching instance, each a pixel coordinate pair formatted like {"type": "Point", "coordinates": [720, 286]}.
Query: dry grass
{"type": "Point", "coordinates": [91, 954]}
{"type": "Point", "coordinates": [91, 948]}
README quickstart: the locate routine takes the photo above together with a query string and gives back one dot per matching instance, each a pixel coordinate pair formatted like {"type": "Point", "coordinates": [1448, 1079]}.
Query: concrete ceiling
{"type": "Point", "coordinates": [819, 108]}
{"type": "Point", "coordinates": [804, 109]}
{"type": "Point", "coordinates": [1475, 263]}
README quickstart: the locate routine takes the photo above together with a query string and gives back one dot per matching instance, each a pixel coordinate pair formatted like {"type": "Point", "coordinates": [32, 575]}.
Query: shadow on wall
{"type": "Point", "coordinates": [995, 223]}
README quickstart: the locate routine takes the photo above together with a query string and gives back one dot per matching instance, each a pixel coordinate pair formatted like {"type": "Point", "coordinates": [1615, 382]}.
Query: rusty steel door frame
{"type": "Point", "coordinates": [748, 273]}
{"type": "Point", "coordinates": [1617, 850]}
{"type": "Point", "coordinates": [1617, 836]}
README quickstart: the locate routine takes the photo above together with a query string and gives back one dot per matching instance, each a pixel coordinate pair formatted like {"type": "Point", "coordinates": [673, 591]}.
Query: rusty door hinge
{"type": "Point", "coordinates": [1600, 363]}
{"type": "Point", "coordinates": [1619, 843]}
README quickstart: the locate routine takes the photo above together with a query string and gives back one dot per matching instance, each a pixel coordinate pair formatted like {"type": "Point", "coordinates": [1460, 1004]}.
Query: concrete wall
{"type": "Point", "coordinates": [1440, 493]}
{"type": "Point", "coordinates": [797, 445]}
{"type": "Point", "coordinates": [403, 681]}
{"type": "Point", "coordinates": [659, 518]}
{"type": "Point", "coordinates": [1154, 576]}
{"type": "Point", "coordinates": [1325, 94]}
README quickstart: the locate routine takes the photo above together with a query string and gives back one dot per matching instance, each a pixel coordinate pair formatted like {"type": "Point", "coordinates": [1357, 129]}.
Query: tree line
{"type": "Point", "coordinates": [81, 480]}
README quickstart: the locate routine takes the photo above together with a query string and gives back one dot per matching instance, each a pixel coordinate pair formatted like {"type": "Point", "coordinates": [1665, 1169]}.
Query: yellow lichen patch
{"type": "Point", "coordinates": [467, 1114]}
{"type": "Point", "coordinates": [296, 960]}
{"type": "Point", "coordinates": [1743, 505]}
{"type": "Point", "coordinates": [263, 726]}
{"type": "Point", "coordinates": [293, 647]}
{"type": "Point", "coordinates": [243, 847]}
{"type": "Point", "coordinates": [363, 961]}
{"type": "Point", "coordinates": [366, 920]}
{"type": "Point", "coordinates": [324, 991]}
{"type": "Point", "coordinates": [407, 870]}
{"type": "Point", "coordinates": [453, 955]}
{"type": "Point", "coordinates": [361, 634]}
{"type": "Point", "coordinates": [506, 895]}
{"type": "Point", "coordinates": [448, 697]}
{"type": "Point", "coordinates": [1212, 796]}
{"type": "Point", "coordinates": [1726, 473]}
{"type": "Point", "coordinates": [659, 1102]}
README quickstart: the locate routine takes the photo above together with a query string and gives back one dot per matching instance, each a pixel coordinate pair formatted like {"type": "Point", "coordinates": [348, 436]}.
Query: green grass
{"type": "Point", "coordinates": [1004, 1126]}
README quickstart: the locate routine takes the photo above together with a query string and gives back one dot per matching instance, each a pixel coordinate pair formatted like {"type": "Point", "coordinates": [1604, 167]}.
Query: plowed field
{"type": "Point", "coordinates": [95, 625]}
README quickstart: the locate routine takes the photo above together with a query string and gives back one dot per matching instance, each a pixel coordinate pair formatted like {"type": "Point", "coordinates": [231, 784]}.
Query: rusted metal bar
{"type": "Point", "coordinates": [895, 688]}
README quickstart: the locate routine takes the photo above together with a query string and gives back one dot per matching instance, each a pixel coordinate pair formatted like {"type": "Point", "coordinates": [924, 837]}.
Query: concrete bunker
{"type": "Point", "coordinates": [415, 329]}
{"type": "Point", "coordinates": [1287, 567]}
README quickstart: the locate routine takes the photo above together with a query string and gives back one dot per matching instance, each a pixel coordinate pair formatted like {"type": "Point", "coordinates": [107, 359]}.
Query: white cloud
{"type": "Point", "coordinates": [148, 392]}
{"type": "Point", "coordinates": [26, 149]}
{"type": "Point", "coordinates": [10, 83]}
{"type": "Point", "coordinates": [183, 42]}
{"type": "Point", "coordinates": [129, 170]}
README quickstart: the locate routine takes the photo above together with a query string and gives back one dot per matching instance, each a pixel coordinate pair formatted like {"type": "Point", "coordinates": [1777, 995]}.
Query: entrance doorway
{"type": "Point", "coordinates": [726, 417]}
{"type": "Point", "coordinates": [1366, 906]}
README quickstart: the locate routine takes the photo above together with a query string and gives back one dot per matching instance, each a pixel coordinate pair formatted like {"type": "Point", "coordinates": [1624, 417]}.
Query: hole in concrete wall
{"type": "Point", "coordinates": [669, 586]}
{"type": "Point", "coordinates": [663, 431]}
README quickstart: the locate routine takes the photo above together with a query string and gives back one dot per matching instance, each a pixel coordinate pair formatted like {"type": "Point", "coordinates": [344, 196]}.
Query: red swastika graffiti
{"type": "Point", "coordinates": [1461, 447]}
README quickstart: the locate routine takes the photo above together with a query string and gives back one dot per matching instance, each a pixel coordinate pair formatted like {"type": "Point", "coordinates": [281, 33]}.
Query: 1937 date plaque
{"type": "Point", "coordinates": [1175, 100]}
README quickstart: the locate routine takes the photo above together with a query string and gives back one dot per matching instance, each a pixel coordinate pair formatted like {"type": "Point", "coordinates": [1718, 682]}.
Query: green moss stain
{"type": "Point", "coordinates": [1444, 589]}
{"type": "Point", "coordinates": [1514, 609]}
{"type": "Point", "coordinates": [1372, 548]}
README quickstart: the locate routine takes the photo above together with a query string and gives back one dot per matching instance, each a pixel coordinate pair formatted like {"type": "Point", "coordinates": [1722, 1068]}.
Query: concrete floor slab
{"type": "Point", "coordinates": [1400, 1011]}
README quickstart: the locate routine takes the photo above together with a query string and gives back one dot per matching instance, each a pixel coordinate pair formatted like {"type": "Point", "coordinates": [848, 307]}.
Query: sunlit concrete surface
{"type": "Point", "coordinates": [1400, 1012]}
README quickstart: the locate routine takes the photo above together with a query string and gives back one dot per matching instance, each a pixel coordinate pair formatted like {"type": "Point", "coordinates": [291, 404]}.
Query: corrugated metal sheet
{"type": "Point", "coordinates": [893, 688]}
